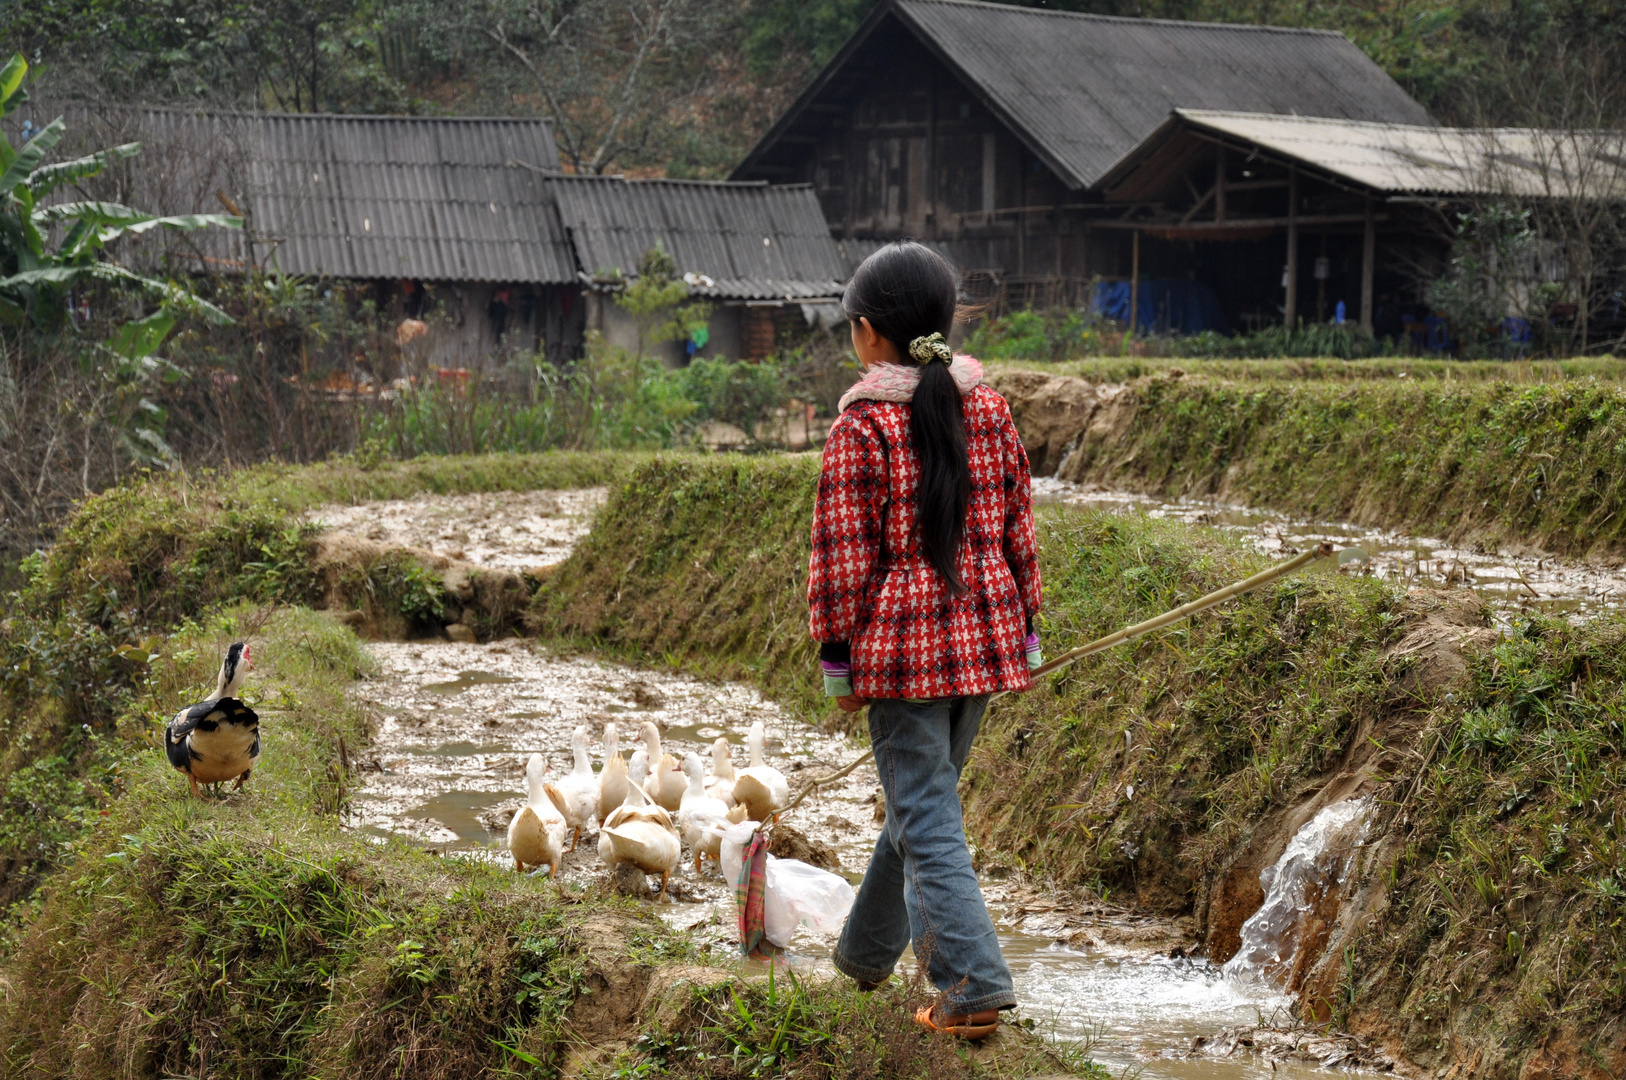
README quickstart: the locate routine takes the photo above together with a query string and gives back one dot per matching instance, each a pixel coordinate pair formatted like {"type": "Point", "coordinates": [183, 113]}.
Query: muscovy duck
{"type": "Point", "coordinates": [218, 739]}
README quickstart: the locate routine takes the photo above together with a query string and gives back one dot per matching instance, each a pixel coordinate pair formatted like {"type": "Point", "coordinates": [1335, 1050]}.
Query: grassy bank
{"type": "Point", "coordinates": [699, 563]}
{"type": "Point", "coordinates": [1502, 463]}
{"type": "Point", "coordinates": [139, 561]}
{"type": "Point", "coordinates": [150, 934]}
{"type": "Point", "coordinates": [1115, 369]}
{"type": "Point", "coordinates": [1486, 921]}
{"type": "Point", "coordinates": [255, 938]}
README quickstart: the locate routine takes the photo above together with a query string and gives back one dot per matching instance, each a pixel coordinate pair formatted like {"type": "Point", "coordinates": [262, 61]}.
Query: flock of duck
{"type": "Point", "coordinates": [646, 812]}
{"type": "Point", "coordinates": [647, 808]}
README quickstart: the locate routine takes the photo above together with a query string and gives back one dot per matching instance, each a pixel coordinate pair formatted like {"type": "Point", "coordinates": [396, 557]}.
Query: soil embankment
{"type": "Point", "coordinates": [1502, 463]}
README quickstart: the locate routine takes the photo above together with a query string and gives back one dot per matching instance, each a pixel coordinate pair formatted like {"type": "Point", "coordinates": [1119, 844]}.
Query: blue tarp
{"type": "Point", "coordinates": [1167, 305]}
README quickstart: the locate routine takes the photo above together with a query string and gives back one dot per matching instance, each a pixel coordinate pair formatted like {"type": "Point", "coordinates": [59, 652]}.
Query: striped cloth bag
{"type": "Point", "coordinates": [750, 894]}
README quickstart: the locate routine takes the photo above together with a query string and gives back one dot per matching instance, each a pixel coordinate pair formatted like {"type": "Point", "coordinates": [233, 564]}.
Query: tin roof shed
{"type": "Point", "coordinates": [741, 241]}
{"type": "Point", "coordinates": [1385, 159]}
{"type": "Point", "coordinates": [435, 199]}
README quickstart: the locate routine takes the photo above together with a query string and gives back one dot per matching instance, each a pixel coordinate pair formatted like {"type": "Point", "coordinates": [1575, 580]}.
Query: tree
{"type": "Point", "coordinates": [608, 72]}
{"type": "Point", "coordinates": [293, 55]}
{"type": "Point", "coordinates": [655, 300]}
{"type": "Point", "coordinates": [49, 248]}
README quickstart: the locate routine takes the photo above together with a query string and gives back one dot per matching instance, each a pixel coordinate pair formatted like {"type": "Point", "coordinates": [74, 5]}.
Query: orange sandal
{"type": "Point", "coordinates": [970, 1027]}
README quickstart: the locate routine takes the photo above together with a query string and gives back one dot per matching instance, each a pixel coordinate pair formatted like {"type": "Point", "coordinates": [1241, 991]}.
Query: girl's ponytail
{"type": "Point", "coordinates": [907, 291]}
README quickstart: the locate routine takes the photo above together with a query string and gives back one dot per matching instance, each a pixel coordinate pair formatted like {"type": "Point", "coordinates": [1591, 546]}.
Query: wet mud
{"type": "Point", "coordinates": [508, 530]}
{"type": "Point", "coordinates": [1509, 581]}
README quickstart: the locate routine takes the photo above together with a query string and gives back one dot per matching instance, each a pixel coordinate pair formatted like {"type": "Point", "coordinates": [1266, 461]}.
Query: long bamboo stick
{"type": "Point", "coordinates": [1202, 603]}
{"type": "Point", "coordinates": [1118, 637]}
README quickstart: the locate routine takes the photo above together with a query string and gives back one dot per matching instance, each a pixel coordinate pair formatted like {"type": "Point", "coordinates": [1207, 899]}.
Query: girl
{"type": "Point", "coordinates": [923, 587]}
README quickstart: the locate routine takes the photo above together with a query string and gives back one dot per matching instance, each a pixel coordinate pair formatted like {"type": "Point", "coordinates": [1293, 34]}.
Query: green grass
{"type": "Point", "coordinates": [1115, 369]}
{"type": "Point", "coordinates": [1214, 722]}
{"type": "Point", "coordinates": [1500, 920]}
{"type": "Point", "coordinates": [1535, 464]}
{"type": "Point", "coordinates": [699, 563]}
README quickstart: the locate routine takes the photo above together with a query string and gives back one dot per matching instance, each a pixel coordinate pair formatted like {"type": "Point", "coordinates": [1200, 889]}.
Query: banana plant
{"type": "Point", "coordinates": [49, 248]}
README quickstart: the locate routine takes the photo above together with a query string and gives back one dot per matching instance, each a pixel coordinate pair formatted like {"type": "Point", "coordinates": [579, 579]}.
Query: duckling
{"type": "Point", "coordinates": [217, 739]}
{"type": "Point", "coordinates": [698, 811]}
{"type": "Point", "coordinates": [720, 784]}
{"type": "Point", "coordinates": [761, 787]}
{"type": "Point", "coordinates": [536, 835]}
{"type": "Point", "coordinates": [665, 785]}
{"type": "Point", "coordinates": [579, 790]}
{"type": "Point", "coordinates": [612, 779]}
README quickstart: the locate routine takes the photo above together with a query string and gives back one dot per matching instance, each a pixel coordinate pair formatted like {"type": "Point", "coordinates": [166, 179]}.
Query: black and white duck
{"type": "Point", "coordinates": [218, 739]}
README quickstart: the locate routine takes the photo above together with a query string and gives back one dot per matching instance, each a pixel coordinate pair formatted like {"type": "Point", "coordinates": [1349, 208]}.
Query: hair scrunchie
{"type": "Point", "coordinates": [930, 347]}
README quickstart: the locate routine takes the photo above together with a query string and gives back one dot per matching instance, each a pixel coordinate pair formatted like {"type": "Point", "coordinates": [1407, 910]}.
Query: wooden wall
{"type": "Point", "coordinates": [917, 155]}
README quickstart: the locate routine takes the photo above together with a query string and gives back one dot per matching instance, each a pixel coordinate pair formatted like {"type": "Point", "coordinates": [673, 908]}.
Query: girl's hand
{"type": "Point", "coordinates": [851, 703]}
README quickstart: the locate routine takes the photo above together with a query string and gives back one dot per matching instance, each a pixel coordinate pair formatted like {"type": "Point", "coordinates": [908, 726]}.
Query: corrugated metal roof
{"type": "Point", "coordinates": [1082, 90]}
{"type": "Point", "coordinates": [437, 199]}
{"type": "Point", "coordinates": [1087, 88]}
{"type": "Point", "coordinates": [1401, 159]}
{"type": "Point", "coordinates": [754, 242]}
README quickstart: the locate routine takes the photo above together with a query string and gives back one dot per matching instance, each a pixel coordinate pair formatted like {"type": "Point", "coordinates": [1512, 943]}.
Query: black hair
{"type": "Point", "coordinates": [908, 291]}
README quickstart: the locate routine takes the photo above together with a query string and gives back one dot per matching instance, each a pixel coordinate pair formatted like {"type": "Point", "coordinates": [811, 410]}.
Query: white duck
{"type": "Point", "coordinates": [698, 811]}
{"type": "Point", "coordinates": [641, 834]}
{"type": "Point", "coordinates": [762, 788]}
{"type": "Point", "coordinates": [536, 835]}
{"type": "Point", "coordinates": [720, 784]}
{"type": "Point", "coordinates": [612, 779]}
{"type": "Point", "coordinates": [665, 785]}
{"type": "Point", "coordinates": [580, 789]}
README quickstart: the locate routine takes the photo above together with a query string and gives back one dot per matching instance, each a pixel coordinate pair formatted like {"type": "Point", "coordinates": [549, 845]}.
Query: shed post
{"type": "Point", "coordinates": [1369, 258]}
{"type": "Point", "coordinates": [1134, 278]}
{"type": "Point", "coordinates": [1219, 184]}
{"type": "Point", "coordinates": [1291, 309]}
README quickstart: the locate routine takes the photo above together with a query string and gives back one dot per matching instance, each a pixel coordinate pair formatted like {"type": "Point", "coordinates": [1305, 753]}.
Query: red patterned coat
{"type": "Point", "coordinates": [870, 585]}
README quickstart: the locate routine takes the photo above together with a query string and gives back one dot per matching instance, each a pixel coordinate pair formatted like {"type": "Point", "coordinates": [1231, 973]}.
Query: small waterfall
{"type": "Point", "coordinates": [1301, 897]}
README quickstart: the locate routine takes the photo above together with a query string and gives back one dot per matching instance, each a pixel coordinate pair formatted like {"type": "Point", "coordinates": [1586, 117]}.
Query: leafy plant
{"type": "Point", "coordinates": [38, 274]}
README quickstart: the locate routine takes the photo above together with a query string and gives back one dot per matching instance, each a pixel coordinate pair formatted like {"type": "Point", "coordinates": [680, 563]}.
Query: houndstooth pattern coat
{"type": "Point", "coordinates": [869, 583]}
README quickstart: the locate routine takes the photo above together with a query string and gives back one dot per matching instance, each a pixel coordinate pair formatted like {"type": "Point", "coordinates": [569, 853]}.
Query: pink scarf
{"type": "Point", "coordinates": [897, 382]}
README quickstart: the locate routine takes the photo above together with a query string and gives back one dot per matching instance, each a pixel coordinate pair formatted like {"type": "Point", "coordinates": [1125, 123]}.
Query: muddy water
{"type": "Point", "coordinates": [458, 721]}
{"type": "Point", "coordinates": [1510, 582]}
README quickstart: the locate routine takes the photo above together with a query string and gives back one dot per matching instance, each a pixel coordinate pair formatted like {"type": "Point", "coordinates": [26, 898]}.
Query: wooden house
{"type": "Point", "coordinates": [988, 129]}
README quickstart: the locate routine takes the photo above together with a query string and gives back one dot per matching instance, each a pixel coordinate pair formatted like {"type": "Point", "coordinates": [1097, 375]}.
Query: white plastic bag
{"type": "Point", "coordinates": [803, 895]}
{"type": "Point", "coordinates": [795, 893]}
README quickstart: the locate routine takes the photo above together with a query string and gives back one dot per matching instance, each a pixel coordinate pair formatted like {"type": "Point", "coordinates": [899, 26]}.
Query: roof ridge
{"type": "Point", "coordinates": [1091, 16]}
{"type": "Point", "coordinates": [1199, 114]}
{"type": "Point", "coordinates": [267, 114]}
{"type": "Point", "coordinates": [560, 174]}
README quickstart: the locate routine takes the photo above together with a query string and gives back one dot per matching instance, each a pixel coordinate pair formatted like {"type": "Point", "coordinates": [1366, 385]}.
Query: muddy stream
{"type": "Point", "coordinates": [459, 720]}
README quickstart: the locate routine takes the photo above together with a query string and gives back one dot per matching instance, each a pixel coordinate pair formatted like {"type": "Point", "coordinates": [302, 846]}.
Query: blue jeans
{"type": "Point", "coordinates": [920, 887]}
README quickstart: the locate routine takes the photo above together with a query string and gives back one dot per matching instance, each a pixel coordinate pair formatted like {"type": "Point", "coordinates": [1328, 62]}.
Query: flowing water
{"type": "Point", "coordinates": [457, 722]}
